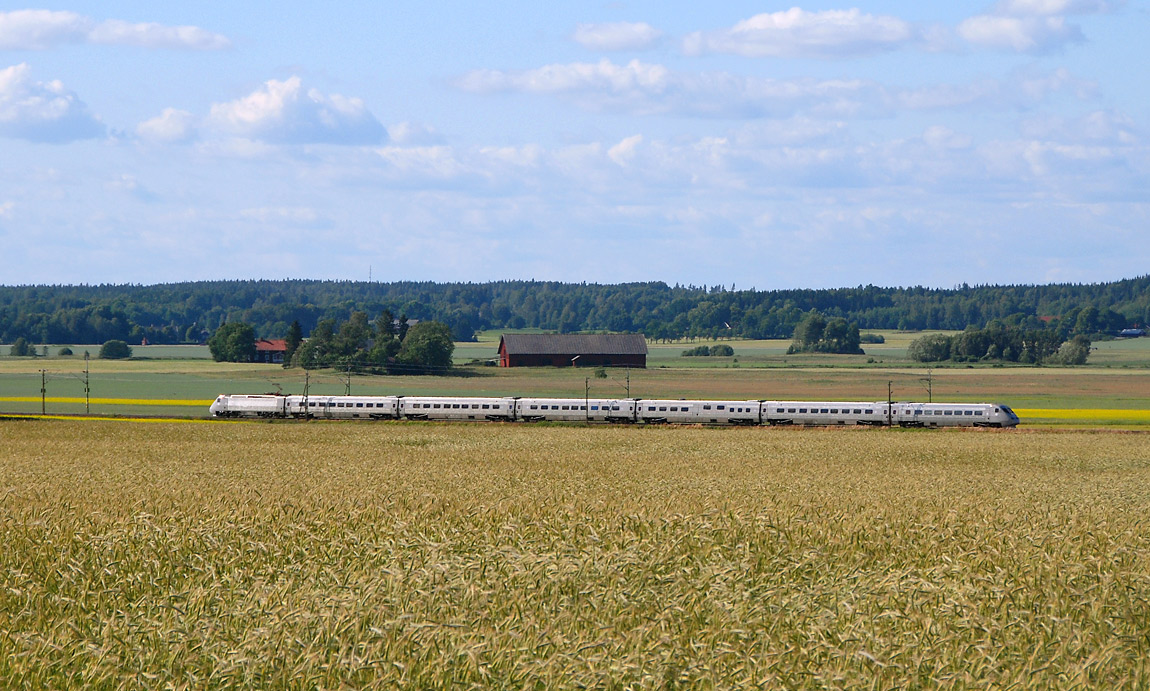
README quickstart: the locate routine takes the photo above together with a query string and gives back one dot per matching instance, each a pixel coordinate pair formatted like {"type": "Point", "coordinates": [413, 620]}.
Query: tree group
{"type": "Point", "coordinates": [389, 346]}
{"type": "Point", "coordinates": [1003, 343]}
{"type": "Point", "coordinates": [817, 334]}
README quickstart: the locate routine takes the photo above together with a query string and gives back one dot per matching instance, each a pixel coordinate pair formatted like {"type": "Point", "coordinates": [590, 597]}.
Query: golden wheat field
{"type": "Point", "coordinates": [407, 555]}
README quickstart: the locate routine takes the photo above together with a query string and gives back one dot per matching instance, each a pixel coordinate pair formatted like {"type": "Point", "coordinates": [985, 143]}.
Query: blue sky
{"type": "Point", "coordinates": [764, 144]}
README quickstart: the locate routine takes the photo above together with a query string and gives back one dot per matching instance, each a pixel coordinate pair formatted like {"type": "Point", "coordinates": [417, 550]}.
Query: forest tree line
{"type": "Point", "coordinates": [191, 312]}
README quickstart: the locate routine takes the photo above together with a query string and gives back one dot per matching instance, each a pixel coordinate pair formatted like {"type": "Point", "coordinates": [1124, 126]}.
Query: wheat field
{"type": "Point", "coordinates": [409, 555]}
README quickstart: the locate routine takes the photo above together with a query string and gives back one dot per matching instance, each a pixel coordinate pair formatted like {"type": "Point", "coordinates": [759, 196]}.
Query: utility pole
{"type": "Point", "coordinates": [43, 390]}
{"type": "Point", "coordinates": [306, 381]}
{"type": "Point", "coordinates": [587, 399]}
{"type": "Point", "coordinates": [889, 416]}
{"type": "Point", "coordinates": [628, 382]}
{"type": "Point", "coordinates": [347, 381]}
{"type": "Point", "coordinates": [87, 409]}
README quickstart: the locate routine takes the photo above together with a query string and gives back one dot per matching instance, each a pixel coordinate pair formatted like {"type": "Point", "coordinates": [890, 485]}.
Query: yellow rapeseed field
{"type": "Point", "coordinates": [410, 555]}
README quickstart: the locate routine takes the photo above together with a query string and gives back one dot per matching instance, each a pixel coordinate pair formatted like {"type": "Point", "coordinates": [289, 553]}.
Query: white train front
{"type": "Point", "coordinates": [628, 410]}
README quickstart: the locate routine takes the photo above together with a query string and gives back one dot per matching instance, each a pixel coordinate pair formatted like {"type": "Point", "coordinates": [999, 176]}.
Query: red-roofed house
{"type": "Point", "coordinates": [272, 351]}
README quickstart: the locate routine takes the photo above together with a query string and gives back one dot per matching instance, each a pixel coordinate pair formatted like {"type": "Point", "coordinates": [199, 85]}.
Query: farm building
{"type": "Point", "coordinates": [272, 351]}
{"type": "Point", "coordinates": [572, 350]}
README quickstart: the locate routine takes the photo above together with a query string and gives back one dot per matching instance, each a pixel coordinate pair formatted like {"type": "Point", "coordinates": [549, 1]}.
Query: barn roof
{"type": "Point", "coordinates": [272, 345]}
{"type": "Point", "coordinates": [574, 344]}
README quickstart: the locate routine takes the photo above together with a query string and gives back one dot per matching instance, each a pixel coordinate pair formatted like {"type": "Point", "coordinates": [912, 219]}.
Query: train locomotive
{"type": "Point", "coordinates": [627, 410]}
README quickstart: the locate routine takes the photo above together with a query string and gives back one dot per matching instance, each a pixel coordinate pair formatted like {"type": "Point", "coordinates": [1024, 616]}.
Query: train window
{"type": "Point", "coordinates": [802, 410]}
{"type": "Point", "coordinates": [663, 408]}
{"type": "Point", "coordinates": [918, 412]}
{"type": "Point", "coordinates": [594, 407]}
{"type": "Point", "coordinates": [435, 405]}
{"type": "Point", "coordinates": [835, 410]}
{"type": "Point", "coordinates": [495, 406]}
{"type": "Point", "coordinates": [824, 410]}
{"type": "Point", "coordinates": [566, 408]}
{"type": "Point", "coordinates": [948, 412]}
{"type": "Point", "coordinates": [706, 407]}
{"type": "Point", "coordinates": [582, 407]}
{"type": "Point", "coordinates": [790, 410]}
{"type": "Point", "coordinates": [534, 407]}
{"type": "Point", "coordinates": [486, 407]}
{"type": "Point", "coordinates": [614, 407]}
{"type": "Point", "coordinates": [674, 409]}
{"type": "Point", "coordinates": [651, 408]}
{"type": "Point", "coordinates": [358, 405]}
{"type": "Point", "coordinates": [372, 405]}
{"type": "Point", "coordinates": [978, 412]}
{"type": "Point", "coordinates": [968, 412]}
{"type": "Point", "coordinates": [475, 406]}
{"type": "Point", "coordinates": [858, 411]}
{"type": "Point", "coordinates": [721, 407]}
{"type": "Point", "coordinates": [870, 411]}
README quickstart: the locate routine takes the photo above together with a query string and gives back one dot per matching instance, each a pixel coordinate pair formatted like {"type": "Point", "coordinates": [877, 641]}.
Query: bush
{"type": "Point", "coordinates": [233, 342]}
{"type": "Point", "coordinates": [1073, 352]}
{"type": "Point", "coordinates": [65, 351]}
{"type": "Point", "coordinates": [817, 334]}
{"type": "Point", "coordinates": [115, 350]}
{"type": "Point", "coordinates": [720, 350]}
{"type": "Point", "coordinates": [932, 348]}
{"type": "Point", "coordinates": [21, 348]}
{"type": "Point", "coordinates": [427, 347]}
{"type": "Point", "coordinates": [872, 338]}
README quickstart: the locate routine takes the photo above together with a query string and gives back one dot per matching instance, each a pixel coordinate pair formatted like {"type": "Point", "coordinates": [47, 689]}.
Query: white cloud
{"type": "Point", "coordinates": [42, 111]}
{"type": "Point", "coordinates": [1103, 126]}
{"type": "Point", "coordinates": [617, 35]}
{"type": "Point", "coordinates": [171, 126]}
{"type": "Point", "coordinates": [432, 162]}
{"type": "Point", "coordinates": [645, 88]}
{"type": "Point", "coordinates": [150, 35]}
{"type": "Point", "coordinates": [579, 76]}
{"type": "Point", "coordinates": [300, 216]}
{"type": "Point", "coordinates": [6, 209]}
{"type": "Point", "coordinates": [941, 137]}
{"type": "Point", "coordinates": [1019, 90]}
{"type": "Point", "coordinates": [409, 133]}
{"type": "Point", "coordinates": [1021, 34]}
{"type": "Point", "coordinates": [624, 151]}
{"type": "Point", "coordinates": [1046, 8]}
{"type": "Point", "coordinates": [281, 112]}
{"type": "Point", "coordinates": [798, 33]}
{"type": "Point", "coordinates": [43, 29]}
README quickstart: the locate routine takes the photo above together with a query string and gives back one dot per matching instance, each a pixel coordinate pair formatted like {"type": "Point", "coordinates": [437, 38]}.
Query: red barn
{"type": "Point", "coordinates": [270, 351]}
{"type": "Point", "coordinates": [572, 350]}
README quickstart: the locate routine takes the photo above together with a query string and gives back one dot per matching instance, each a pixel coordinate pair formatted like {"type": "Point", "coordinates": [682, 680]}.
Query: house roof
{"type": "Point", "coordinates": [574, 344]}
{"type": "Point", "coordinates": [273, 345]}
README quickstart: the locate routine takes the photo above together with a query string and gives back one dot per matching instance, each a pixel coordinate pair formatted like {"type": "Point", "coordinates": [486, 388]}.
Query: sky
{"type": "Point", "coordinates": [748, 144]}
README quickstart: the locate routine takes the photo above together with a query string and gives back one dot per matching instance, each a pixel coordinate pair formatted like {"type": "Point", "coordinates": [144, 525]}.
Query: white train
{"type": "Point", "coordinates": [627, 410]}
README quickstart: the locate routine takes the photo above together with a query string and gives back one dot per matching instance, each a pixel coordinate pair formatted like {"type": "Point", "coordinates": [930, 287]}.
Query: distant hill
{"type": "Point", "coordinates": [188, 312]}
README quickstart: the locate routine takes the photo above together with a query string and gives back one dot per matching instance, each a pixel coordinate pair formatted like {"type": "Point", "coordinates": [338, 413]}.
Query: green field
{"type": "Point", "coordinates": [1118, 378]}
{"type": "Point", "coordinates": [499, 556]}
